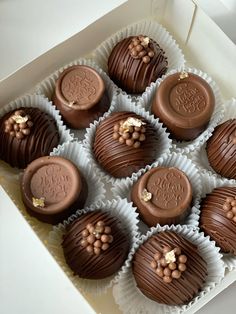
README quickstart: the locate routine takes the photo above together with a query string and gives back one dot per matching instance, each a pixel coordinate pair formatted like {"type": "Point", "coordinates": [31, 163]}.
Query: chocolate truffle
{"type": "Point", "coordinates": [184, 102]}
{"type": "Point", "coordinates": [124, 143]}
{"type": "Point", "coordinates": [52, 188]}
{"type": "Point", "coordinates": [135, 62]}
{"type": "Point", "coordinates": [168, 269]}
{"type": "Point", "coordinates": [218, 217]}
{"type": "Point", "coordinates": [95, 245]}
{"type": "Point", "coordinates": [80, 95]}
{"type": "Point", "coordinates": [162, 196]}
{"type": "Point", "coordinates": [26, 134]}
{"type": "Point", "coordinates": [221, 149]}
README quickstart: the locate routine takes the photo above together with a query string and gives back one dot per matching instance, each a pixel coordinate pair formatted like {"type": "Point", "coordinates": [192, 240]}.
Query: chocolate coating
{"type": "Point", "coordinates": [178, 291]}
{"type": "Point", "coordinates": [221, 149]}
{"type": "Point", "coordinates": [214, 219]}
{"type": "Point", "coordinates": [131, 74]}
{"type": "Point", "coordinates": [184, 105]}
{"type": "Point", "coordinates": [89, 265]}
{"type": "Point", "coordinates": [42, 139]}
{"type": "Point", "coordinates": [80, 96]}
{"type": "Point", "coordinates": [61, 185]}
{"type": "Point", "coordinates": [171, 196]}
{"type": "Point", "coordinates": [119, 159]}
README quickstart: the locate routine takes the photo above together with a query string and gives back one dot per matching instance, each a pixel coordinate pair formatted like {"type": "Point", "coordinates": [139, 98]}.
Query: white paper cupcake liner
{"type": "Point", "coordinates": [75, 152]}
{"type": "Point", "coordinates": [119, 208]}
{"type": "Point", "coordinates": [124, 103]}
{"type": "Point", "coordinates": [42, 103]}
{"type": "Point", "coordinates": [217, 116]}
{"type": "Point", "coordinates": [47, 86]}
{"type": "Point", "coordinates": [209, 183]}
{"type": "Point", "coordinates": [123, 189]}
{"type": "Point", "coordinates": [146, 27]}
{"type": "Point", "coordinates": [199, 156]}
{"type": "Point", "coordinates": [132, 301]}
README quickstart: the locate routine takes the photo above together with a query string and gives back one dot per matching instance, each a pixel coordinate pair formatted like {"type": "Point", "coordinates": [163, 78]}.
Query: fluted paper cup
{"type": "Point", "coordinates": [47, 86]}
{"type": "Point", "coordinates": [150, 28]}
{"type": "Point", "coordinates": [119, 208]}
{"type": "Point", "coordinates": [124, 103]}
{"type": "Point", "coordinates": [132, 301]}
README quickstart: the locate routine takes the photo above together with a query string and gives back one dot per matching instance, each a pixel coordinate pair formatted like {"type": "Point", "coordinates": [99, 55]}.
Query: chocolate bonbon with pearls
{"type": "Point", "coordinates": [95, 245]}
{"type": "Point", "coordinates": [218, 217]}
{"type": "Point", "coordinates": [168, 269]}
{"type": "Point", "coordinates": [124, 143]}
{"type": "Point", "coordinates": [135, 62]}
{"type": "Point", "coordinates": [26, 134]}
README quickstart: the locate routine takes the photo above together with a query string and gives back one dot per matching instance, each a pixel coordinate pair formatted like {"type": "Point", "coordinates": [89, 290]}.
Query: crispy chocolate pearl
{"type": "Point", "coordinates": [95, 266]}
{"type": "Point", "coordinates": [215, 221]}
{"type": "Point", "coordinates": [114, 156]}
{"type": "Point", "coordinates": [221, 149]}
{"type": "Point", "coordinates": [134, 75]}
{"type": "Point", "coordinates": [178, 291]}
{"type": "Point", "coordinates": [42, 139]}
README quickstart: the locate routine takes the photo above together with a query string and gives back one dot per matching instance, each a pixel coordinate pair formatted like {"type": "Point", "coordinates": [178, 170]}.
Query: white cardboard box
{"type": "Point", "coordinates": [204, 45]}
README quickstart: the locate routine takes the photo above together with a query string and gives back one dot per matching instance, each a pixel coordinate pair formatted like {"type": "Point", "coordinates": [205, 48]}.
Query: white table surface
{"type": "Point", "coordinates": [27, 29]}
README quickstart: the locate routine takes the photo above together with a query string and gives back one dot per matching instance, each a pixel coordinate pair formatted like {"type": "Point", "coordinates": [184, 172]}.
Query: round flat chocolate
{"type": "Point", "coordinates": [162, 196]}
{"type": "Point", "coordinates": [43, 136]}
{"type": "Point", "coordinates": [118, 158]}
{"type": "Point", "coordinates": [221, 149]}
{"type": "Point", "coordinates": [92, 264]}
{"type": "Point", "coordinates": [132, 74]}
{"type": "Point", "coordinates": [172, 291]}
{"type": "Point", "coordinates": [218, 217]}
{"type": "Point", "coordinates": [52, 188]}
{"type": "Point", "coordinates": [184, 102]}
{"type": "Point", "coordinates": [80, 96]}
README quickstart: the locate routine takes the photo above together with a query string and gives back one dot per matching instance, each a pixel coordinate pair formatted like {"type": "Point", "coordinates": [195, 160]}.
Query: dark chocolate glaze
{"type": "Point", "coordinates": [42, 139]}
{"type": "Point", "coordinates": [133, 75]}
{"type": "Point", "coordinates": [119, 159]}
{"type": "Point", "coordinates": [89, 265]}
{"type": "Point", "coordinates": [213, 220]}
{"type": "Point", "coordinates": [59, 182]}
{"type": "Point", "coordinates": [171, 196]}
{"type": "Point", "coordinates": [83, 86]}
{"type": "Point", "coordinates": [221, 149]}
{"type": "Point", "coordinates": [184, 105]}
{"type": "Point", "coordinates": [179, 291]}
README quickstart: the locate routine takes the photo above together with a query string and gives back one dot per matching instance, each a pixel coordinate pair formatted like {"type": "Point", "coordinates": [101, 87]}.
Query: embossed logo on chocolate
{"type": "Point", "coordinates": [167, 190]}
{"type": "Point", "coordinates": [187, 99]}
{"type": "Point", "coordinates": [80, 86]}
{"type": "Point", "coordinates": [51, 182]}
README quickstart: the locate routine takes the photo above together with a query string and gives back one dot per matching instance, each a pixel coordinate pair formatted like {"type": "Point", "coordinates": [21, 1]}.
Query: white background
{"type": "Point", "coordinates": [27, 29]}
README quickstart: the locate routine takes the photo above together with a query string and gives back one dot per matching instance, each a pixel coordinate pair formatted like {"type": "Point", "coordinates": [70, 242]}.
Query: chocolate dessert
{"type": "Point", "coordinates": [81, 96]}
{"type": "Point", "coordinates": [52, 189]}
{"type": "Point", "coordinates": [162, 196]}
{"type": "Point", "coordinates": [168, 269]}
{"type": "Point", "coordinates": [184, 102]}
{"type": "Point", "coordinates": [135, 62]}
{"type": "Point", "coordinates": [26, 134]}
{"type": "Point", "coordinates": [95, 245]}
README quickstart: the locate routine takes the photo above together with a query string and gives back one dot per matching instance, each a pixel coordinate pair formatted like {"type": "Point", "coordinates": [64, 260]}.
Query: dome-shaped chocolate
{"type": "Point", "coordinates": [26, 134]}
{"type": "Point", "coordinates": [124, 143]}
{"type": "Point", "coordinates": [218, 217]}
{"type": "Point", "coordinates": [168, 269]}
{"type": "Point", "coordinates": [221, 149]}
{"type": "Point", "coordinates": [135, 62]}
{"type": "Point", "coordinates": [95, 246]}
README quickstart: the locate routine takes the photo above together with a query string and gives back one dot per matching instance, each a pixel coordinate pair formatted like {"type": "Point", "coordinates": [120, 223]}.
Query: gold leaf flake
{"type": "Point", "coordinates": [38, 202]}
{"type": "Point", "coordinates": [133, 122]}
{"type": "Point", "coordinates": [145, 41]}
{"type": "Point", "coordinates": [72, 103]}
{"type": "Point", "coordinates": [183, 75]}
{"type": "Point", "coordinates": [170, 257]}
{"type": "Point", "coordinates": [146, 196]}
{"type": "Point", "coordinates": [20, 119]}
